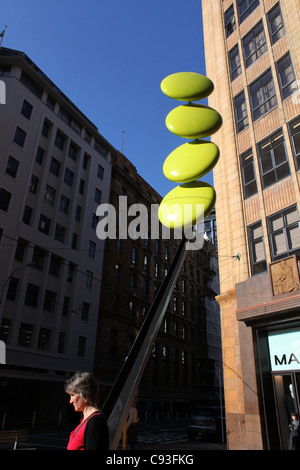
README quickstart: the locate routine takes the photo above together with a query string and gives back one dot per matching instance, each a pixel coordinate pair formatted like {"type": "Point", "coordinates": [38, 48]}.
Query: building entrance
{"type": "Point", "coordinates": [287, 393]}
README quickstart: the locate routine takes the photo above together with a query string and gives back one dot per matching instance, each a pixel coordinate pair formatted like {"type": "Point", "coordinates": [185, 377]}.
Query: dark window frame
{"type": "Point", "coordinates": [241, 123]}
{"type": "Point", "coordinates": [260, 88]}
{"type": "Point", "coordinates": [284, 63]}
{"type": "Point", "coordinates": [235, 66]}
{"type": "Point", "coordinates": [295, 144]}
{"type": "Point", "coordinates": [251, 5]}
{"type": "Point", "coordinates": [260, 266]}
{"type": "Point", "coordinates": [247, 166]}
{"type": "Point", "coordinates": [269, 163]}
{"type": "Point", "coordinates": [285, 230]}
{"type": "Point", "coordinates": [252, 39]}
{"type": "Point", "coordinates": [229, 21]}
{"type": "Point", "coordinates": [272, 15]}
{"type": "Point", "coordinates": [20, 137]}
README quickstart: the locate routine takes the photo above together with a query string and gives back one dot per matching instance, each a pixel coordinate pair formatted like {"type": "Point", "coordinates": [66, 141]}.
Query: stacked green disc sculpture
{"type": "Point", "coordinates": [193, 200]}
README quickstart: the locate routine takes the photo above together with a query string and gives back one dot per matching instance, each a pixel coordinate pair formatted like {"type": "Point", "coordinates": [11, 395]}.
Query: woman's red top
{"type": "Point", "coordinates": [90, 435]}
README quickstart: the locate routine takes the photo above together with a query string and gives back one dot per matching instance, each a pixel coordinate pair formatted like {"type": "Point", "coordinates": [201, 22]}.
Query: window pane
{"type": "Point", "coordinates": [279, 154]}
{"type": "Point", "coordinates": [250, 189]}
{"type": "Point", "coordinates": [279, 245]}
{"type": "Point", "coordinates": [258, 251]}
{"type": "Point", "coordinates": [291, 216]}
{"type": "Point", "coordinates": [249, 173]}
{"type": "Point", "coordinates": [293, 237]}
{"type": "Point", "coordinates": [282, 171]}
{"type": "Point", "coordinates": [257, 231]}
{"type": "Point", "coordinates": [276, 223]}
{"type": "Point", "coordinates": [266, 162]}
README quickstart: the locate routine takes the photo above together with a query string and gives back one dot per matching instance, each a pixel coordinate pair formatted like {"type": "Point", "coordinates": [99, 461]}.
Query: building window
{"type": "Point", "coordinates": [68, 178]}
{"type": "Point", "coordinates": [12, 167]}
{"type": "Point", "coordinates": [74, 241]}
{"type": "Point", "coordinates": [50, 102]}
{"type": "Point", "coordinates": [73, 151]}
{"type": "Point", "coordinates": [33, 184]}
{"type": "Point", "coordinates": [12, 288]}
{"type": "Point", "coordinates": [254, 44]}
{"type": "Point", "coordinates": [248, 174]}
{"type": "Point", "coordinates": [229, 21]}
{"type": "Point", "coordinates": [46, 128]}
{"type": "Point", "coordinates": [145, 292]}
{"type": "Point", "coordinates": [4, 199]}
{"type": "Point", "coordinates": [64, 204]}
{"type": "Point", "coordinates": [146, 263]}
{"type": "Point", "coordinates": [78, 214]}
{"type": "Point", "coordinates": [4, 329]}
{"type": "Point", "coordinates": [49, 301]}
{"type": "Point", "coordinates": [31, 85]}
{"type": "Point", "coordinates": [240, 112]}
{"type": "Point", "coordinates": [245, 8]}
{"type": "Point", "coordinates": [54, 267]}
{"type": "Point", "coordinates": [81, 346]}
{"type": "Point", "coordinates": [38, 258]}
{"type": "Point", "coordinates": [94, 221]}
{"type": "Point", "coordinates": [81, 186]}
{"type": "Point", "coordinates": [49, 195]}
{"type": "Point", "coordinates": [97, 197]}
{"type": "Point", "coordinates": [20, 250]}
{"type": "Point", "coordinates": [284, 233]}
{"type": "Point", "coordinates": [273, 160]}
{"type": "Point", "coordinates": [100, 172]}
{"type": "Point", "coordinates": [44, 225]}
{"type": "Point", "coordinates": [19, 137]}
{"type": "Point", "coordinates": [5, 70]}
{"type": "Point", "coordinates": [85, 162]}
{"type": "Point", "coordinates": [59, 140]}
{"type": "Point", "coordinates": [39, 155]}
{"type": "Point", "coordinates": [262, 95]}
{"type": "Point", "coordinates": [234, 62]}
{"type": "Point", "coordinates": [257, 248]}
{"type": "Point", "coordinates": [44, 339]}
{"type": "Point", "coordinates": [66, 305]}
{"type": "Point", "coordinates": [32, 295]}
{"type": "Point", "coordinates": [54, 166]}
{"type": "Point", "coordinates": [27, 215]}
{"type": "Point", "coordinates": [60, 233]}
{"type": "Point", "coordinates": [92, 249]}
{"type": "Point", "coordinates": [88, 279]}
{"type": "Point", "coordinates": [286, 76]}
{"type": "Point", "coordinates": [115, 303]}
{"type": "Point", "coordinates": [275, 24]}
{"type": "Point", "coordinates": [25, 335]}
{"type": "Point", "coordinates": [61, 342]}
{"type": "Point", "coordinates": [26, 109]}
{"type": "Point", "coordinates": [133, 255]}
{"type": "Point", "coordinates": [85, 309]}
{"type": "Point", "coordinates": [294, 129]}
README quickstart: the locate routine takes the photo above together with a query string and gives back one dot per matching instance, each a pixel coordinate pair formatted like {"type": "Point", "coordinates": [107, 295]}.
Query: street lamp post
{"type": "Point", "coordinates": [9, 277]}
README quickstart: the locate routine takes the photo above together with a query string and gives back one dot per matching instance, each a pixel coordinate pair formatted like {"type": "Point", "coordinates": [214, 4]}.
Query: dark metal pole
{"type": "Point", "coordinates": [117, 404]}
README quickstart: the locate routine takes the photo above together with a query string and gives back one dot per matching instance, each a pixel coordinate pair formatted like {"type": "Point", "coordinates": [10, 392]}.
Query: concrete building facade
{"type": "Point", "coordinates": [54, 172]}
{"type": "Point", "coordinates": [252, 50]}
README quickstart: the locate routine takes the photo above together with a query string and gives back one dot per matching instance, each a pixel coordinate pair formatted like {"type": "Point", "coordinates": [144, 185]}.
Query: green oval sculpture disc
{"type": "Point", "coordinates": [191, 161]}
{"type": "Point", "coordinates": [186, 205]}
{"type": "Point", "coordinates": [187, 86]}
{"type": "Point", "coordinates": [193, 121]}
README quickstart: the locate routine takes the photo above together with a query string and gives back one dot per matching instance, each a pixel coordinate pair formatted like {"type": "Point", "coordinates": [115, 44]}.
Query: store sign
{"type": "Point", "coordinates": [284, 347]}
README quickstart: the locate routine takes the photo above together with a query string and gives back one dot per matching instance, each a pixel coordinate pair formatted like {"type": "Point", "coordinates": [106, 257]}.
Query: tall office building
{"type": "Point", "coordinates": [185, 363]}
{"type": "Point", "coordinates": [55, 171]}
{"type": "Point", "coordinates": [252, 50]}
